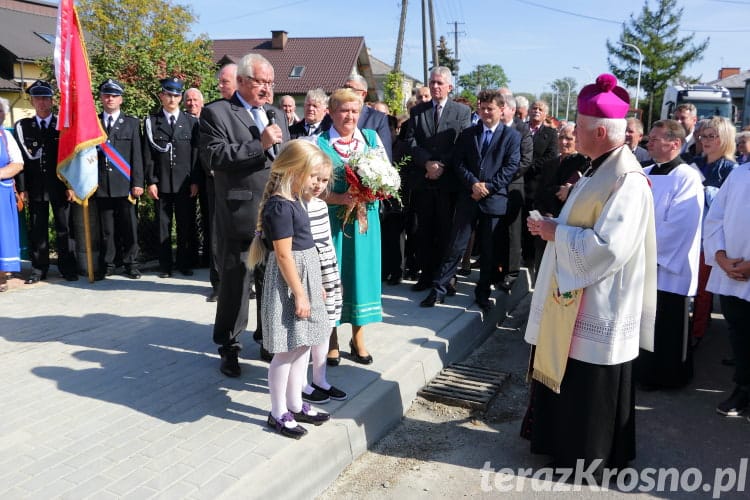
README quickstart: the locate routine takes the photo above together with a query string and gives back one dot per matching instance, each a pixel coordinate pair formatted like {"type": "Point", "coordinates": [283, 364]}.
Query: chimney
{"type": "Point", "coordinates": [727, 72]}
{"type": "Point", "coordinates": [279, 39]}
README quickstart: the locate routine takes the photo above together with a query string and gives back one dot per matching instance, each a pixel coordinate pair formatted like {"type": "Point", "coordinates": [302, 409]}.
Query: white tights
{"type": "Point", "coordinates": [286, 378]}
{"type": "Point", "coordinates": [318, 354]}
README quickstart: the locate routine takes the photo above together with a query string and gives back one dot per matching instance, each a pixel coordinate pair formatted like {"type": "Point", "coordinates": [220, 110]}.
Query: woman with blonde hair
{"type": "Point", "coordinates": [293, 310]}
{"type": "Point", "coordinates": [717, 140]}
{"type": "Point", "coordinates": [357, 248]}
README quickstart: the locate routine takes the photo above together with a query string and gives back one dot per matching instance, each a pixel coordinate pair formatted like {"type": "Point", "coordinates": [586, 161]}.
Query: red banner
{"type": "Point", "coordinates": [78, 123]}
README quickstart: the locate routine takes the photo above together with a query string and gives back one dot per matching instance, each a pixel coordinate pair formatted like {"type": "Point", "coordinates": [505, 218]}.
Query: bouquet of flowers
{"type": "Point", "coordinates": [371, 177]}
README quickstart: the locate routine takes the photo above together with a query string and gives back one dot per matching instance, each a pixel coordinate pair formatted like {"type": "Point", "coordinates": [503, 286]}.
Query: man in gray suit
{"type": "Point", "coordinates": [239, 139]}
{"type": "Point", "coordinates": [431, 134]}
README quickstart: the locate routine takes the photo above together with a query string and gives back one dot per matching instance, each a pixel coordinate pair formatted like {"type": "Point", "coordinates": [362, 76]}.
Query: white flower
{"type": "Point", "coordinates": [376, 172]}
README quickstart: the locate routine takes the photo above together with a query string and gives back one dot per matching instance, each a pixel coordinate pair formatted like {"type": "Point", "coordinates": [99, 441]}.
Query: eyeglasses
{"type": "Point", "coordinates": [354, 88]}
{"type": "Point", "coordinates": [260, 83]}
{"type": "Point", "coordinates": [708, 137]}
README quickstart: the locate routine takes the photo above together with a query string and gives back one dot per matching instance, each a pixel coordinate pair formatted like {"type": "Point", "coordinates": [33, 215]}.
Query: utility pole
{"type": "Point", "coordinates": [455, 34]}
{"type": "Point", "coordinates": [424, 39]}
{"type": "Point", "coordinates": [432, 35]}
{"type": "Point", "coordinates": [400, 41]}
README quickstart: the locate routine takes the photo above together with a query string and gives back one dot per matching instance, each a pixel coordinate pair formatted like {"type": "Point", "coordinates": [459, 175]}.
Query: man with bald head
{"type": "Point", "coordinates": [227, 80]}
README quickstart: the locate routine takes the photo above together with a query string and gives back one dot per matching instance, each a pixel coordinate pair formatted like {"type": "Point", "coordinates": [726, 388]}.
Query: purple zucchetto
{"type": "Point", "coordinates": [604, 99]}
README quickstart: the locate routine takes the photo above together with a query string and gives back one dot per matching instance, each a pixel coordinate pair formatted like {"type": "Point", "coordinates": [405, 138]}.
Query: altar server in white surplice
{"type": "Point", "coordinates": [678, 207]}
{"type": "Point", "coordinates": [595, 297]}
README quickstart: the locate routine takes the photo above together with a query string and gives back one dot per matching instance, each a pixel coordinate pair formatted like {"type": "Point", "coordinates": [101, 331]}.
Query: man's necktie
{"type": "Point", "coordinates": [109, 123]}
{"type": "Point", "coordinates": [43, 124]}
{"type": "Point", "coordinates": [438, 110]}
{"type": "Point", "coordinates": [171, 122]}
{"type": "Point", "coordinates": [486, 141]}
{"type": "Point", "coordinates": [311, 129]}
{"type": "Point", "coordinates": [258, 117]}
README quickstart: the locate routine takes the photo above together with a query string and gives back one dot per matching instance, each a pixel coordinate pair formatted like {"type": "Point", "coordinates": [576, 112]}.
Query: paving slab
{"type": "Point", "coordinates": [112, 390]}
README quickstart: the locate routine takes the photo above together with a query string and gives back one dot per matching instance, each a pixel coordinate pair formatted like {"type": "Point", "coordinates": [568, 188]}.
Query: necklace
{"type": "Point", "coordinates": [344, 148]}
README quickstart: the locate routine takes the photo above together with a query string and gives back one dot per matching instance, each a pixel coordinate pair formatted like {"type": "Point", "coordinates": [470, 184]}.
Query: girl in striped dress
{"type": "Point", "coordinates": [320, 391]}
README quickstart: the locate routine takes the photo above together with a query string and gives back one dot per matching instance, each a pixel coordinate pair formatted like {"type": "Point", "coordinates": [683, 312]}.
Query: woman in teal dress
{"type": "Point", "coordinates": [358, 252]}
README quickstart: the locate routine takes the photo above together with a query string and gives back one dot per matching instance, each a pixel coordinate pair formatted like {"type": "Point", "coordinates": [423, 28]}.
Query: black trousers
{"type": "Point", "coordinates": [211, 244]}
{"type": "Point", "coordinates": [434, 209]}
{"type": "Point", "coordinates": [508, 235]}
{"type": "Point", "coordinates": [391, 229]}
{"type": "Point", "coordinates": [118, 225]}
{"type": "Point", "coordinates": [182, 207]}
{"type": "Point", "coordinates": [468, 217]}
{"type": "Point", "coordinates": [737, 313]}
{"type": "Point", "coordinates": [39, 235]}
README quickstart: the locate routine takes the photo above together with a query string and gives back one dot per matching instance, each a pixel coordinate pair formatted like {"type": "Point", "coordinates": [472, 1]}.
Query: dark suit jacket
{"type": "Point", "coordinates": [230, 146]}
{"type": "Point", "coordinates": [176, 172]}
{"type": "Point", "coordinates": [372, 119]}
{"type": "Point", "coordinates": [496, 168]}
{"type": "Point", "coordinates": [427, 144]}
{"type": "Point", "coordinates": [545, 149]}
{"type": "Point", "coordinates": [527, 150]}
{"type": "Point", "coordinates": [125, 137]}
{"type": "Point", "coordinates": [39, 176]}
{"type": "Point", "coordinates": [298, 129]}
{"type": "Point", "coordinates": [555, 173]}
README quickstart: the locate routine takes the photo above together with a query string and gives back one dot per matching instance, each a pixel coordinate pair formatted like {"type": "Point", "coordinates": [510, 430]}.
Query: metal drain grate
{"type": "Point", "coordinates": [464, 385]}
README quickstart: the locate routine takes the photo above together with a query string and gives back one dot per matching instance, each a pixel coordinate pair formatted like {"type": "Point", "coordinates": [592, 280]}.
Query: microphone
{"type": "Point", "coordinates": [271, 115]}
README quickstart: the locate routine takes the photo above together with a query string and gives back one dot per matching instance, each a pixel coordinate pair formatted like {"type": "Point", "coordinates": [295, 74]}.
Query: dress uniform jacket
{"type": "Point", "coordinates": [173, 170]}
{"type": "Point", "coordinates": [39, 176]}
{"type": "Point", "coordinates": [125, 137]}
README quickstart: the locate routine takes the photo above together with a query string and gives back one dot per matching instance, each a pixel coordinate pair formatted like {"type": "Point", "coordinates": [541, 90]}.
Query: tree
{"type": "Point", "coordinates": [139, 42]}
{"type": "Point", "coordinates": [485, 76]}
{"type": "Point", "coordinates": [665, 54]}
{"type": "Point", "coordinates": [393, 92]}
{"type": "Point", "coordinates": [564, 94]}
{"type": "Point", "coordinates": [445, 56]}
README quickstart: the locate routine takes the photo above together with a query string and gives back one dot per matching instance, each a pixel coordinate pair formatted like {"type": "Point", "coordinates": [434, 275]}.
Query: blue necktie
{"type": "Point", "coordinates": [257, 116]}
{"type": "Point", "coordinates": [486, 141]}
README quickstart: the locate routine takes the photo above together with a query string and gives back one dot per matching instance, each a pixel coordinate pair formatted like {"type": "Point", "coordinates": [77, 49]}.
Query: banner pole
{"type": "Point", "coordinates": [87, 236]}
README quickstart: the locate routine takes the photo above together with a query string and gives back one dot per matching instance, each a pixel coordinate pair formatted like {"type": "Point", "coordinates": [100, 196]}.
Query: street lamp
{"type": "Point", "coordinates": [640, 67]}
{"type": "Point", "coordinates": [567, 103]}
{"type": "Point", "coordinates": [586, 70]}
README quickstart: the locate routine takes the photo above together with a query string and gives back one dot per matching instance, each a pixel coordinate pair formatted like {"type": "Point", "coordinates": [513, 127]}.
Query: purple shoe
{"type": "Point", "coordinates": [310, 416]}
{"type": "Point", "coordinates": [283, 426]}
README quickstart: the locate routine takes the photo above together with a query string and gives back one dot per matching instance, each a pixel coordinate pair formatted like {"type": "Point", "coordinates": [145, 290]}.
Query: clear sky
{"type": "Point", "coordinates": [535, 41]}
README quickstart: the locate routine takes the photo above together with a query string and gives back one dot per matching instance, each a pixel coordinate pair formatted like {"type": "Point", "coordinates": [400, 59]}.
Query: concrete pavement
{"type": "Point", "coordinates": [112, 390]}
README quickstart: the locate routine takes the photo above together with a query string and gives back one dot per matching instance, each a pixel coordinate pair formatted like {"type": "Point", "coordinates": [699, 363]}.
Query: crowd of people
{"type": "Point", "coordinates": [617, 237]}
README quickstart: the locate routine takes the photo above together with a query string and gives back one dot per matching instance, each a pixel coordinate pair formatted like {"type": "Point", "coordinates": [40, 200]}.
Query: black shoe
{"type": "Point", "coordinates": [230, 363]}
{"type": "Point", "coordinates": [333, 361]}
{"type": "Point", "coordinates": [432, 299]}
{"type": "Point", "coordinates": [736, 404]}
{"type": "Point", "coordinates": [70, 277]}
{"type": "Point", "coordinates": [165, 274]}
{"type": "Point", "coordinates": [450, 290]}
{"type": "Point", "coordinates": [265, 355]}
{"type": "Point", "coordinates": [295, 432]}
{"type": "Point", "coordinates": [333, 392]}
{"type": "Point", "coordinates": [132, 273]}
{"type": "Point", "coordinates": [317, 396]}
{"type": "Point", "coordinates": [186, 272]}
{"type": "Point", "coordinates": [463, 272]}
{"type": "Point", "coordinates": [212, 297]}
{"type": "Point", "coordinates": [35, 277]}
{"type": "Point", "coordinates": [310, 416]}
{"type": "Point", "coordinates": [110, 270]}
{"type": "Point", "coordinates": [362, 360]}
{"type": "Point", "coordinates": [420, 286]}
{"type": "Point", "coordinates": [395, 279]}
{"type": "Point", "coordinates": [484, 304]}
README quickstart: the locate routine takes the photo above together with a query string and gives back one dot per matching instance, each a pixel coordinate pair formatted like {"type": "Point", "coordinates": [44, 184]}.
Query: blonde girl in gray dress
{"type": "Point", "coordinates": [293, 309]}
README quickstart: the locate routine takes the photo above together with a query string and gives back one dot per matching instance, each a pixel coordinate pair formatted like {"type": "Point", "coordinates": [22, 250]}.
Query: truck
{"type": "Point", "coordinates": [709, 100]}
